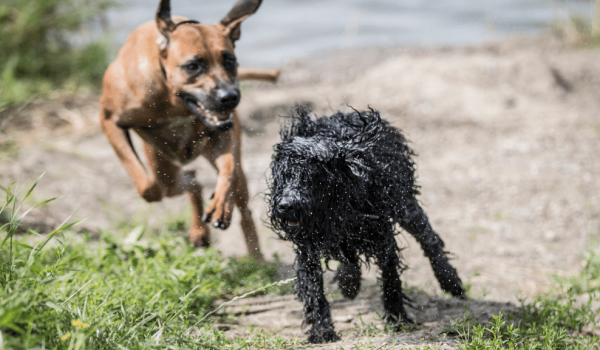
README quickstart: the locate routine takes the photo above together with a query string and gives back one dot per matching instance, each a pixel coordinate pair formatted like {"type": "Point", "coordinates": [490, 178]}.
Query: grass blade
{"type": "Point", "coordinates": [33, 186]}
{"type": "Point", "coordinates": [78, 290]}
{"type": "Point", "coordinates": [37, 205]}
{"type": "Point", "coordinates": [278, 283]}
{"type": "Point", "coordinates": [62, 227]}
{"type": "Point", "coordinates": [28, 194]}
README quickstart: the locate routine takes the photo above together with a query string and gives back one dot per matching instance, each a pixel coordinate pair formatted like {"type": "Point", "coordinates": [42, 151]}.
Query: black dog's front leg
{"type": "Point", "coordinates": [417, 224]}
{"type": "Point", "coordinates": [309, 288]}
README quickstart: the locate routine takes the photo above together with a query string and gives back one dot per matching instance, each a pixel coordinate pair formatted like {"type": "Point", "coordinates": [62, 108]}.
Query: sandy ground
{"type": "Point", "coordinates": [508, 137]}
{"type": "Point", "coordinates": [355, 320]}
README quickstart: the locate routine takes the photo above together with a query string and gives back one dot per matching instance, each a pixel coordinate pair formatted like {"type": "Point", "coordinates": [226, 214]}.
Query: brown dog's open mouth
{"type": "Point", "coordinates": [218, 121]}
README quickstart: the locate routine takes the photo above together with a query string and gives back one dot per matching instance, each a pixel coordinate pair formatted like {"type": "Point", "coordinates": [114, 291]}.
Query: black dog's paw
{"type": "Point", "coordinates": [448, 279]}
{"type": "Point", "coordinates": [458, 292]}
{"type": "Point", "coordinates": [348, 278]}
{"type": "Point", "coordinates": [318, 336]}
{"type": "Point", "coordinates": [453, 286]}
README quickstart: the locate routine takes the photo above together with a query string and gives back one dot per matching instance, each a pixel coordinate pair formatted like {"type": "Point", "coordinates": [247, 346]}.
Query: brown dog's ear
{"type": "Point", "coordinates": [240, 11]}
{"type": "Point", "coordinates": [164, 23]}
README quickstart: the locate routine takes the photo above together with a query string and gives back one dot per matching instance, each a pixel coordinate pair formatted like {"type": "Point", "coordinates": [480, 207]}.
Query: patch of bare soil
{"type": "Point", "coordinates": [508, 137]}
{"type": "Point", "coordinates": [358, 322]}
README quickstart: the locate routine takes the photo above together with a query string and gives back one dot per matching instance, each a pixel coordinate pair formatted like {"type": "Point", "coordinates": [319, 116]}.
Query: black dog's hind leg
{"type": "Point", "coordinates": [348, 273]}
{"type": "Point", "coordinates": [309, 288]}
{"type": "Point", "coordinates": [417, 224]}
{"type": "Point", "coordinates": [393, 299]}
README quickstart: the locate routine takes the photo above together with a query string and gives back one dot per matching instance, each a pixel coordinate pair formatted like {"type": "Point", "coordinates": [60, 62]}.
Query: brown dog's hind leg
{"type": "Point", "coordinates": [240, 197]}
{"type": "Point", "coordinates": [199, 233]}
{"type": "Point", "coordinates": [176, 182]}
{"type": "Point", "coordinates": [148, 188]}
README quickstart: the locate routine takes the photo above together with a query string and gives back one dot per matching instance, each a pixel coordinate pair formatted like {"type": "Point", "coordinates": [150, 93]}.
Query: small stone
{"type": "Point", "coordinates": [343, 319]}
{"type": "Point", "coordinates": [550, 236]}
{"type": "Point", "coordinates": [221, 327]}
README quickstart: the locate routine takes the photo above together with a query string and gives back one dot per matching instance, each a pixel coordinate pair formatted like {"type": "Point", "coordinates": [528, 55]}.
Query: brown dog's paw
{"type": "Point", "coordinates": [153, 192]}
{"type": "Point", "coordinates": [219, 212]}
{"type": "Point", "coordinates": [199, 237]}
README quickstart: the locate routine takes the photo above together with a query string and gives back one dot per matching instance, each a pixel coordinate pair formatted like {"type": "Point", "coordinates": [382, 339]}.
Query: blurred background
{"type": "Point", "coordinates": [47, 44]}
{"type": "Point", "coordinates": [500, 99]}
{"type": "Point", "coordinates": [288, 29]}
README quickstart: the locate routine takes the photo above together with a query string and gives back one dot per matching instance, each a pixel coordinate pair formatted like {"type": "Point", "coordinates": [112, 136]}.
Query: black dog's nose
{"type": "Point", "coordinates": [228, 99]}
{"type": "Point", "coordinates": [286, 205]}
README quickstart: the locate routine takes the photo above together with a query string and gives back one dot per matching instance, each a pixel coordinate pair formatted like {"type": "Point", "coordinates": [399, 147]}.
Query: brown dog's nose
{"type": "Point", "coordinates": [228, 99]}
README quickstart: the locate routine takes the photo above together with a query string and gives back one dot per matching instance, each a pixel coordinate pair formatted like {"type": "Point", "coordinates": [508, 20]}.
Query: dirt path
{"type": "Point", "coordinates": [508, 136]}
{"type": "Point", "coordinates": [358, 321]}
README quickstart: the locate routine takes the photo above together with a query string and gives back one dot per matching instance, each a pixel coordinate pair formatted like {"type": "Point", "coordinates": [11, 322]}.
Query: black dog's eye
{"type": "Point", "coordinates": [193, 68]}
{"type": "Point", "coordinates": [229, 62]}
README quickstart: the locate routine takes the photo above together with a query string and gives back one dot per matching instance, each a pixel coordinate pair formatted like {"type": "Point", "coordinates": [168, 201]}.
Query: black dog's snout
{"type": "Point", "coordinates": [228, 98]}
{"type": "Point", "coordinates": [286, 205]}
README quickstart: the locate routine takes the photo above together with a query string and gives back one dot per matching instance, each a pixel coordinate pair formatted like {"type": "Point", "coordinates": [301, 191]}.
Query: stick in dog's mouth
{"type": "Point", "coordinates": [208, 117]}
{"type": "Point", "coordinates": [293, 223]}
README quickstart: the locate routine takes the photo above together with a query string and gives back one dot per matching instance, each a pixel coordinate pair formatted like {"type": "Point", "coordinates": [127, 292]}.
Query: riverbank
{"type": "Point", "coordinates": [507, 135]}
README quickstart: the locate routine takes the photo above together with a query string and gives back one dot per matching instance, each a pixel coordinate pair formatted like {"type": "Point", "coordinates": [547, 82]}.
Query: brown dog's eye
{"type": "Point", "coordinates": [193, 68]}
{"type": "Point", "coordinates": [229, 62]}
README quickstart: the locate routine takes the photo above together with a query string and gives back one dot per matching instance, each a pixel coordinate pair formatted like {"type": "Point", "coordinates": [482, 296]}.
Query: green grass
{"type": "Point", "coordinates": [552, 321]}
{"type": "Point", "coordinates": [581, 31]}
{"type": "Point", "coordinates": [588, 280]}
{"type": "Point", "coordinates": [8, 148]}
{"type": "Point", "coordinates": [542, 324]}
{"type": "Point", "coordinates": [65, 291]}
{"type": "Point", "coordinates": [37, 50]}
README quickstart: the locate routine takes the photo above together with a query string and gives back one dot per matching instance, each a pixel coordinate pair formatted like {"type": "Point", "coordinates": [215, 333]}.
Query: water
{"type": "Point", "coordinates": [286, 29]}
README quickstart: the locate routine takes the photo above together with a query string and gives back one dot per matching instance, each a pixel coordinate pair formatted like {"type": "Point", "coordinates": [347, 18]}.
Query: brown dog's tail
{"type": "Point", "coordinates": [258, 74]}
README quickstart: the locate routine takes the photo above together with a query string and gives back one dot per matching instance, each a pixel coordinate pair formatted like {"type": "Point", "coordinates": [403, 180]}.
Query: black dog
{"type": "Point", "coordinates": [339, 185]}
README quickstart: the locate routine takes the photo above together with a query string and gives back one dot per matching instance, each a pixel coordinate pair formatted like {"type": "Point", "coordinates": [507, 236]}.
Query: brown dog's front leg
{"type": "Point", "coordinates": [240, 197]}
{"type": "Point", "coordinates": [199, 234]}
{"type": "Point", "coordinates": [221, 206]}
{"type": "Point", "coordinates": [148, 188]}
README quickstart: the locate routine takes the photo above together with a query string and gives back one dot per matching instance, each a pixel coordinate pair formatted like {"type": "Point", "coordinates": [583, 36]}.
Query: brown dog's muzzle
{"type": "Point", "coordinates": [227, 99]}
{"type": "Point", "coordinates": [210, 117]}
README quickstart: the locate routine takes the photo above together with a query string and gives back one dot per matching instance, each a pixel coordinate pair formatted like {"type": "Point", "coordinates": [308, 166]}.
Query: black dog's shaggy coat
{"type": "Point", "coordinates": [338, 186]}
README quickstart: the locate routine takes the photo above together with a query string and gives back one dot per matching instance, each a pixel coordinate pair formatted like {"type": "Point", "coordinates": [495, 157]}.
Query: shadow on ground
{"type": "Point", "coordinates": [358, 321]}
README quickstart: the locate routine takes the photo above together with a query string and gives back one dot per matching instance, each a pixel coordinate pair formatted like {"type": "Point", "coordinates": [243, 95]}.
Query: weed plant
{"type": "Point", "coordinates": [588, 280]}
{"type": "Point", "coordinates": [65, 291]}
{"type": "Point", "coordinates": [581, 31]}
{"type": "Point", "coordinates": [37, 50]}
{"type": "Point", "coordinates": [68, 291]}
{"type": "Point", "coordinates": [544, 324]}
{"type": "Point", "coordinates": [552, 321]}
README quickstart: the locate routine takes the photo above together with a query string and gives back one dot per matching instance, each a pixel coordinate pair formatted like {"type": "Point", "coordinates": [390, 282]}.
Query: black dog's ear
{"type": "Point", "coordinates": [233, 20]}
{"type": "Point", "coordinates": [299, 123]}
{"type": "Point", "coordinates": [357, 164]}
{"type": "Point", "coordinates": [165, 25]}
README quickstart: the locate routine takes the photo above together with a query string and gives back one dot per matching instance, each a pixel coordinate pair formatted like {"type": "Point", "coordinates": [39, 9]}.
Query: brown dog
{"type": "Point", "coordinates": [175, 83]}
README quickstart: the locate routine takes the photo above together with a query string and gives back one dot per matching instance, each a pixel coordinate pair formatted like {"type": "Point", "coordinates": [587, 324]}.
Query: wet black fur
{"type": "Point", "coordinates": [347, 179]}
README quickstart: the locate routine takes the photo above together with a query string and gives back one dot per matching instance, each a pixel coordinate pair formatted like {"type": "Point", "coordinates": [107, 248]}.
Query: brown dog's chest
{"type": "Point", "coordinates": [181, 139]}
